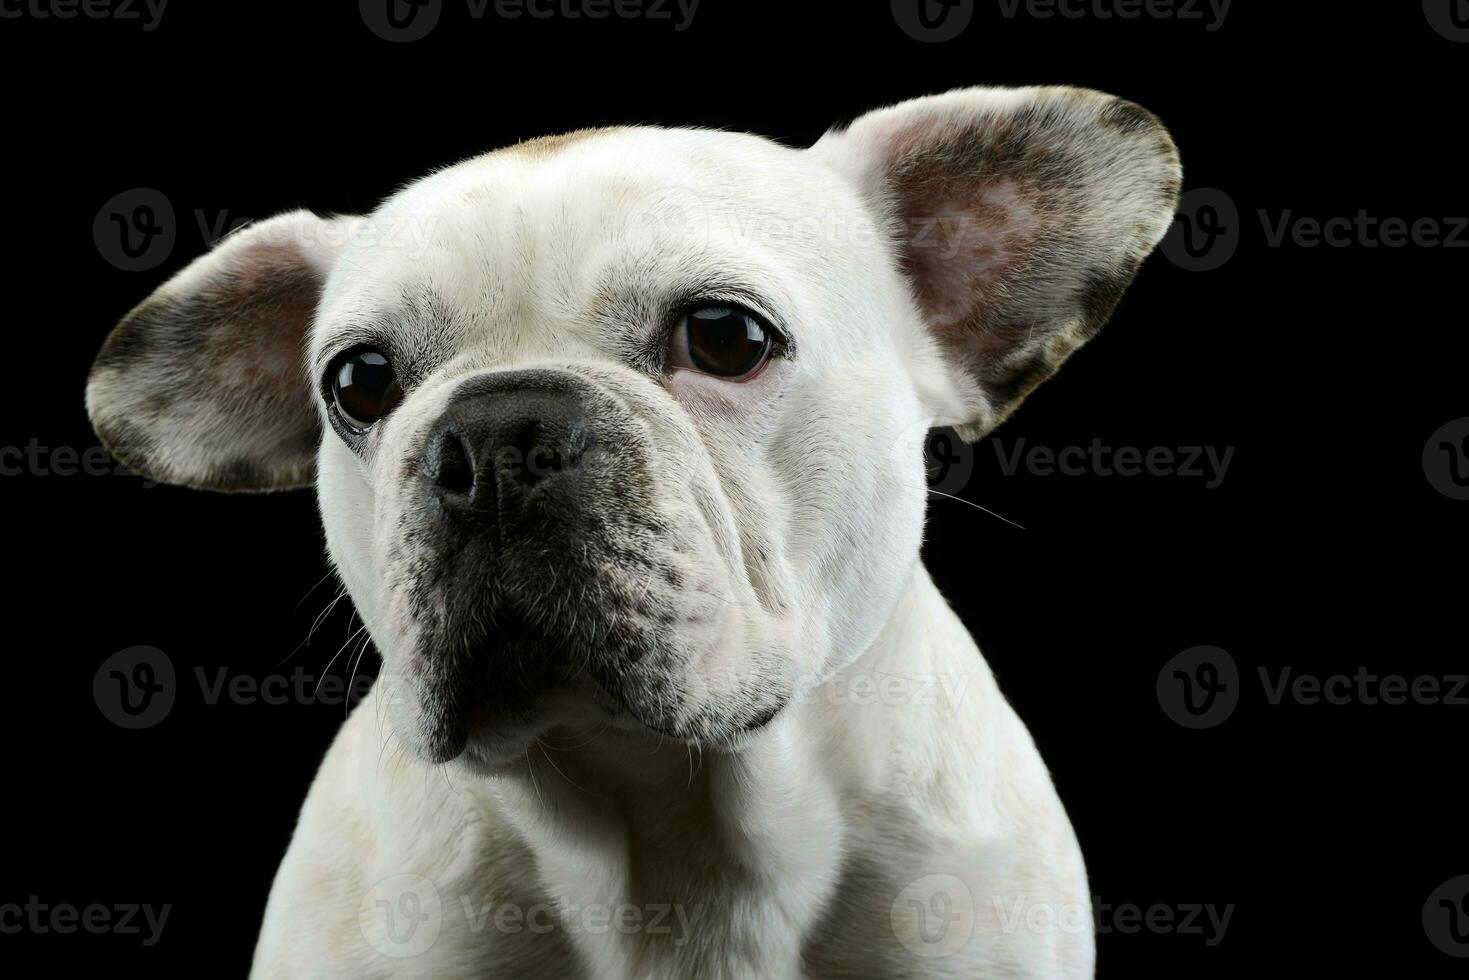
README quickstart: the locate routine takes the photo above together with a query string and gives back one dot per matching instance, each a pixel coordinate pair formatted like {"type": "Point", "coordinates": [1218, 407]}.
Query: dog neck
{"type": "Point", "coordinates": [617, 820]}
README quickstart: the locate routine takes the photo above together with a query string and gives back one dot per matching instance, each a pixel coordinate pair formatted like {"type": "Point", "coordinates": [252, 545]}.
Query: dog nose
{"type": "Point", "coordinates": [504, 444]}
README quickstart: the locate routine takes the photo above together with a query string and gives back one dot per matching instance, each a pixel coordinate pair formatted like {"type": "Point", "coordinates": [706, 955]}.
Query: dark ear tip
{"type": "Point", "coordinates": [249, 478]}
{"type": "Point", "coordinates": [1129, 117]}
{"type": "Point", "coordinates": [132, 446]}
{"type": "Point", "coordinates": [127, 444]}
{"type": "Point", "coordinates": [1141, 124]}
{"type": "Point", "coordinates": [972, 432]}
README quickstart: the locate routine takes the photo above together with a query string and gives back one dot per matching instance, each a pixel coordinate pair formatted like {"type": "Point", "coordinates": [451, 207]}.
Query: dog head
{"type": "Point", "coordinates": [628, 424]}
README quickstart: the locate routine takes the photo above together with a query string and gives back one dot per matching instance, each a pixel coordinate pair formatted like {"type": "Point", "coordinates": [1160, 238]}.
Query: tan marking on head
{"type": "Point", "coordinates": [543, 146]}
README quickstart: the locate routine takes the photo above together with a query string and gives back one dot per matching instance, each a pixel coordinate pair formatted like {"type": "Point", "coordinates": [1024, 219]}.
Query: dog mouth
{"type": "Point", "coordinates": [488, 700]}
{"type": "Point", "coordinates": [509, 637]}
{"type": "Point", "coordinates": [493, 688]}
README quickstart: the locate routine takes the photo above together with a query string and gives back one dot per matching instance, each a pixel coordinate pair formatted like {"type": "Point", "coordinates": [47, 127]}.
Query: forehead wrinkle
{"type": "Point", "coordinates": [563, 261]}
{"type": "Point", "coordinates": [418, 332]}
{"type": "Point", "coordinates": [646, 289]}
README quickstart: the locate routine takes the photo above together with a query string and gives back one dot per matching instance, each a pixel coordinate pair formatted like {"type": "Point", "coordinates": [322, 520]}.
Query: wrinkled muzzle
{"type": "Point", "coordinates": [544, 553]}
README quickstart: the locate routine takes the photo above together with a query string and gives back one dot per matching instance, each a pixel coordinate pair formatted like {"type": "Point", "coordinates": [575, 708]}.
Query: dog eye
{"type": "Point", "coordinates": [725, 341]}
{"type": "Point", "coordinates": [364, 387]}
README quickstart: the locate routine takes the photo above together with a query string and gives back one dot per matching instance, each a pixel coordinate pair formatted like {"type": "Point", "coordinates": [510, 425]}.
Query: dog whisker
{"type": "Point", "coordinates": [970, 503]}
{"type": "Point", "coordinates": [552, 763]}
{"type": "Point", "coordinates": [327, 669]}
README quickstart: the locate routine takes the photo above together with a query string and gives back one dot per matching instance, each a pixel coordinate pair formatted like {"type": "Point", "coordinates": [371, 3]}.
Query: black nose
{"type": "Point", "coordinates": [508, 446]}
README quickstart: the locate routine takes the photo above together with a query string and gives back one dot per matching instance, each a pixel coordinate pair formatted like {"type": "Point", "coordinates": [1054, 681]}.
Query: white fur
{"type": "Point", "coordinates": [895, 819]}
{"type": "Point", "coordinates": [758, 837]}
{"type": "Point", "coordinates": [752, 843]}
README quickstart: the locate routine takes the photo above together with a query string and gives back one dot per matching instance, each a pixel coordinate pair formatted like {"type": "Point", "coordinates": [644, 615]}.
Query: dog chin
{"type": "Point", "coordinates": [496, 753]}
{"type": "Point", "coordinates": [488, 739]}
{"type": "Point", "coordinates": [492, 743]}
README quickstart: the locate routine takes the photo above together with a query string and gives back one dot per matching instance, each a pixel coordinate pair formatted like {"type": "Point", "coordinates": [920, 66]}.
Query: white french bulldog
{"type": "Point", "coordinates": [617, 438]}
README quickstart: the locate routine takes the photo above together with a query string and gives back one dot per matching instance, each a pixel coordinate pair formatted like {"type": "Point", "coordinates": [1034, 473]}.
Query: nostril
{"type": "Point", "coordinates": [455, 474]}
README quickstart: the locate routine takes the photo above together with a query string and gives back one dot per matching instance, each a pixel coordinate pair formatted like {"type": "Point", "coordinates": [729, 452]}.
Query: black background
{"type": "Point", "coordinates": [1326, 369]}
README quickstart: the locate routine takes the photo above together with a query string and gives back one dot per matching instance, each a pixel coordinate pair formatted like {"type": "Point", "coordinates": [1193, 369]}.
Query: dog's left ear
{"type": "Point", "coordinates": [204, 384]}
{"type": "Point", "coordinates": [1020, 217]}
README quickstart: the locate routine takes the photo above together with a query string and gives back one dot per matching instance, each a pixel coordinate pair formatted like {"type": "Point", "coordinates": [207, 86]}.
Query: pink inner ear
{"type": "Point", "coordinates": [263, 263]}
{"type": "Point", "coordinates": [265, 302]}
{"type": "Point", "coordinates": [1020, 216]}
{"type": "Point", "coordinates": [966, 241]}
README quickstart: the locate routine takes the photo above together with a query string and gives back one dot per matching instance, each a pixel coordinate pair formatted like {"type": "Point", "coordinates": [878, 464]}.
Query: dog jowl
{"type": "Point", "coordinates": [617, 438]}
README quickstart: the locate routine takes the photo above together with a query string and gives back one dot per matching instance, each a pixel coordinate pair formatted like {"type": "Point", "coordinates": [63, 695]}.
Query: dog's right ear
{"type": "Point", "coordinates": [204, 384]}
{"type": "Point", "coordinates": [1019, 216]}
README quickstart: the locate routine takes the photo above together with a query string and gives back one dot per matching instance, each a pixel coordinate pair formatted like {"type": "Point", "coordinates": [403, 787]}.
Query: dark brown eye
{"type": "Point", "coordinates": [724, 341]}
{"type": "Point", "coordinates": [364, 387]}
